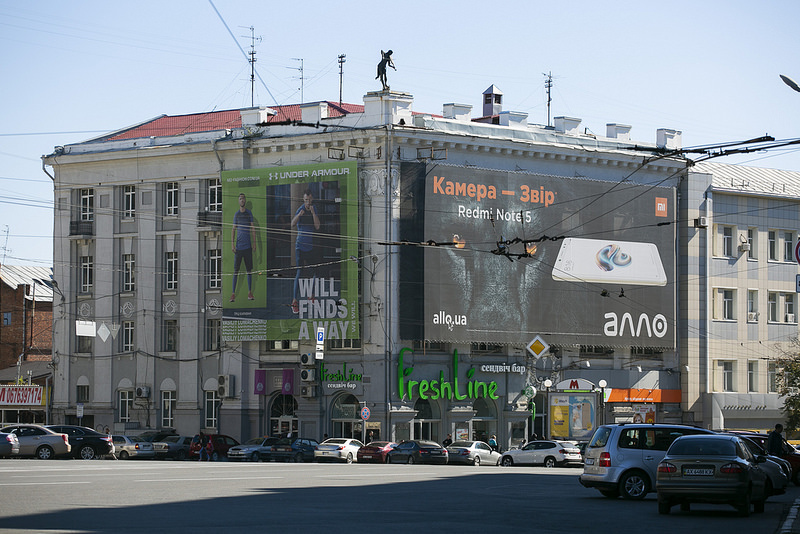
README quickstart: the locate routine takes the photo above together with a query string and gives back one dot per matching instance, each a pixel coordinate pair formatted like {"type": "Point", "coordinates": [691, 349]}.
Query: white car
{"type": "Point", "coordinates": [549, 453]}
{"type": "Point", "coordinates": [338, 450]}
{"type": "Point", "coordinates": [133, 447]}
{"type": "Point", "coordinates": [38, 441]}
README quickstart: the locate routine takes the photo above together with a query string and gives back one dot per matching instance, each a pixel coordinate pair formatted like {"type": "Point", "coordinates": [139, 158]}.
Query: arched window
{"type": "Point", "coordinates": [428, 420]}
{"type": "Point", "coordinates": [282, 418]}
{"type": "Point", "coordinates": [484, 423]}
{"type": "Point", "coordinates": [345, 417]}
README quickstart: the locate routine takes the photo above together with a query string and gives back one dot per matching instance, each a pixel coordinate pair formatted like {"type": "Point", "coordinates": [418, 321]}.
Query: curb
{"type": "Point", "coordinates": [788, 523]}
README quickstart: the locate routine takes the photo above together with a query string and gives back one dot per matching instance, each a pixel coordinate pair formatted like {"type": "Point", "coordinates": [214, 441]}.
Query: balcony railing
{"type": "Point", "coordinates": [209, 218]}
{"type": "Point", "coordinates": [81, 228]}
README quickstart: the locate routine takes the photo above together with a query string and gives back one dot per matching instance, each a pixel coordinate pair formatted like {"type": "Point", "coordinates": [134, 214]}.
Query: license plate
{"type": "Point", "coordinates": [589, 461]}
{"type": "Point", "coordinates": [367, 456]}
{"type": "Point", "coordinates": [698, 471]}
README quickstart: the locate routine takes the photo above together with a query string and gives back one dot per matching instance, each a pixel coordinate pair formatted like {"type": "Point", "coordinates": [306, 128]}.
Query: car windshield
{"type": "Point", "coordinates": [335, 441]}
{"type": "Point", "coordinates": [254, 441]}
{"type": "Point", "coordinates": [465, 444]}
{"type": "Point", "coordinates": [703, 447]}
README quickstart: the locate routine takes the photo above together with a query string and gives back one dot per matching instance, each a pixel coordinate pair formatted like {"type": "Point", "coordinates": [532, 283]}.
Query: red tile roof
{"type": "Point", "coordinates": [167, 125]}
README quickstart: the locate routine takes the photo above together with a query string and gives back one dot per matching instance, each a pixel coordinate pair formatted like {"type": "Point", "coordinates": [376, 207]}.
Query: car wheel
{"type": "Point", "coordinates": [254, 457]}
{"type": "Point", "coordinates": [664, 507]}
{"type": "Point", "coordinates": [634, 485]}
{"type": "Point", "coordinates": [685, 507]}
{"type": "Point", "coordinates": [87, 453]}
{"type": "Point", "coordinates": [215, 456]}
{"type": "Point", "coordinates": [758, 507]}
{"type": "Point", "coordinates": [181, 456]}
{"type": "Point", "coordinates": [611, 494]}
{"type": "Point", "coordinates": [549, 462]}
{"type": "Point", "coordinates": [44, 452]}
{"type": "Point", "coordinates": [410, 460]}
{"type": "Point", "coordinates": [506, 461]}
{"type": "Point", "coordinates": [744, 507]}
{"type": "Point", "coordinates": [476, 461]}
{"type": "Point", "coordinates": [298, 458]}
{"type": "Point", "coordinates": [124, 455]}
{"type": "Point", "coordinates": [349, 457]}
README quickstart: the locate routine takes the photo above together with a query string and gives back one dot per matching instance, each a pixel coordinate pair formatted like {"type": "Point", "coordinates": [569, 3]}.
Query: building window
{"type": "Point", "coordinates": [87, 204]}
{"type": "Point", "coordinates": [726, 368]}
{"type": "Point", "coordinates": [129, 201]}
{"type": "Point", "coordinates": [727, 241]}
{"type": "Point", "coordinates": [344, 343]}
{"type": "Point", "coordinates": [212, 405]}
{"type": "Point", "coordinates": [128, 273]}
{"type": "Point", "coordinates": [172, 198]}
{"type": "Point", "coordinates": [728, 304]}
{"type": "Point", "coordinates": [87, 274]}
{"type": "Point", "coordinates": [752, 305]}
{"type": "Point", "coordinates": [214, 195]}
{"type": "Point", "coordinates": [751, 240]}
{"type": "Point", "coordinates": [82, 393]}
{"type": "Point", "coordinates": [212, 334]}
{"type": "Point", "coordinates": [127, 336]}
{"type": "Point", "coordinates": [281, 344]}
{"type": "Point", "coordinates": [169, 401]}
{"type": "Point", "coordinates": [214, 268]}
{"type": "Point", "coordinates": [171, 261]}
{"type": "Point", "coordinates": [429, 346]}
{"type": "Point", "coordinates": [772, 245]}
{"type": "Point", "coordinates": [772, 377]}
{"type": "Point", "coordinates": [788, 246]}
{"type": "Point", "coordinates": [772, 307]}
{"type": "Point", "coordinates": [752, 376]}
{"type": "Point", "coordinates": [85, 344]}
{"type": "Point", "coordinates": [6, 318]}
{"type": "Point", "coordinates": [788, 306]}
{"type": "Point", "coordinates": [125, 405]}
{"type": "Point", "coordinates": [169, 335]}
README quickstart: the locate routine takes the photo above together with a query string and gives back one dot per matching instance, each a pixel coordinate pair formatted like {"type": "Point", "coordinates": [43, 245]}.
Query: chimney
{"type": "Point", "coordinates": [313, 112]}
{"type": "Point", "coordinates": [513, 118]}
{"type": "Point", "coordinates": [567, 125]}
{"type": "Point", "coordinates": [492, 101]}
{"type": "Point", "coordinates": [618, 131]}
{"type": "Point", "coordinates": [669, 139]}
{"type": "Point", "coordinates": [257, 115]}
{"type": "Point", "coordinates": [387, 107]}
{"type": "Point", "coordinates": [459, 112]}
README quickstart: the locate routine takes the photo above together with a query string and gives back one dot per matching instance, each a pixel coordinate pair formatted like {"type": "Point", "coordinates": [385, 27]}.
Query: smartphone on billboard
{"type": "Point", "coordinates": [603, 261]}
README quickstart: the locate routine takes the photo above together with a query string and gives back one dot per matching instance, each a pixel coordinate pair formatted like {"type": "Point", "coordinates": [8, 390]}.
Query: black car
{"type": "Point", "coordinates": [294, 450]}
{"type": "Point", "coordinates": [417, 452]}
{"type": "Point", "coordinates": [86, 443]}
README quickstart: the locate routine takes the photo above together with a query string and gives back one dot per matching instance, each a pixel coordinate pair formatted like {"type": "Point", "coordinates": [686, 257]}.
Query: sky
{"type": "Point", "coordinates": [75, 70]}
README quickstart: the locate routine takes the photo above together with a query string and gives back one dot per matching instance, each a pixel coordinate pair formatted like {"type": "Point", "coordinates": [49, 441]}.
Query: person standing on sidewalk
{"type": "Point", "coordinates": [775, 441]}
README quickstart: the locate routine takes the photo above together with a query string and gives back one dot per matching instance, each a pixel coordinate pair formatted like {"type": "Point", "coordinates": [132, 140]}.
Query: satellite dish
{"type": "Point", "coordinates": [790, 82]}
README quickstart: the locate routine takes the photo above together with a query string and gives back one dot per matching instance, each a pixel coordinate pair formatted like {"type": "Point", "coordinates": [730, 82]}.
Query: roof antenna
{"type": "Point", "coordinates": [300, 68]}
{"type": "Point", "coordinates": [252, 61]}
{"type": "Point", "coordinates": [548, 84]}
{"type": "Point", "coordinates": [341, 72]}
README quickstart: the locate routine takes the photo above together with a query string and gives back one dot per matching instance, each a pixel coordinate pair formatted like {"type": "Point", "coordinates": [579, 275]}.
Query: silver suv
{"type": "Point", "coordinates": [622, 459]}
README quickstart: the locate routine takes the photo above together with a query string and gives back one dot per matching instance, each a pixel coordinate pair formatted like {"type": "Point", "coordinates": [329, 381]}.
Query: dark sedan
{"type": "Point", "coordinates": [418, 451]}
{"type": "Point", "coordinates": [293, 450]}
{"type": "Point", "coordinates": [375, 451]}
{"type": "Point", "coordinates": [87, 444]}
{"type": "Point", "coordinates": [176, 447]}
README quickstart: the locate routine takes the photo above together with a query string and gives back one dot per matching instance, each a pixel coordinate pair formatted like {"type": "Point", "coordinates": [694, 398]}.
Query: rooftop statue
{"type": "Point", "coordinates": [386, 60]}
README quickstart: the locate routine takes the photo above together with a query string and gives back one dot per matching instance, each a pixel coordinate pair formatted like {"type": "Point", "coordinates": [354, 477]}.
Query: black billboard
{"type": "Point", "coordinates": [500, 257]}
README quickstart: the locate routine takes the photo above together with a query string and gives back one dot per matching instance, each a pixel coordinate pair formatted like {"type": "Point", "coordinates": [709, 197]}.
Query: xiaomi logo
{"type": "Point", "coordinates": [661, 207]}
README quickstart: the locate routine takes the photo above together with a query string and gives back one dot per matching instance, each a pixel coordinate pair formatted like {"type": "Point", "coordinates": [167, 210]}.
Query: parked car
{"type": "Point", "coordinates": [375, 451]}
{"type": "Point", "coordinates": [294, 450]}
{"type": "Point", "coordinates": [175, 447]}
{"type": "Point", "coordinates": [790, 454]}
{"type": "Point", "coordinates": [220, 444]}
{"type": "Point", "coordinates": [157, 435]}
{"type": "Point", "coordinates": [622, 459]}
{"type": "Point", "coordinates": [128, 447]}
{"type": "Point", "coordinates": [716, 469]}
{"type": "Point", "coordinates": [39, 441]}
{"type": "Point", "coordinates": [9, 445]}
{"type": "Point", "coordinates": [87, 443]}
{"type": "Point", "coordinates": [338, 449]}
{"type": "Point", "coordinates": [472, 453]}
{"type": "Point", "coordinates": [417, 451]}
{"type": "Point", "coordinates": [251, 450]}
{"type": "Point", "coordinates": [778, 470]}
{"type": "Point", "coordinates": [549, 453]}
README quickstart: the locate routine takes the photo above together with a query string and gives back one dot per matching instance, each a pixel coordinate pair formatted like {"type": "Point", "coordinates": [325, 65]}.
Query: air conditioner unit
{"type": "Point", "coordinates": [307, 375]}
{"type": "Point", "coordinates": [308, 391]}
{"type": "Point", "coordinates": [143, 392]}
{"type": "Point", "coordinates": [701, 222]}
{"type": "Point", "coordinates": [307, 359]}
{"type": "Point", "coordinates": [790, 318]}
{"type": "Point", "coordinates": [752, 316]}
{"type": "Point", "coordinates": [225, 386]}
{"type": "Point", "coordinates": [744, 247]}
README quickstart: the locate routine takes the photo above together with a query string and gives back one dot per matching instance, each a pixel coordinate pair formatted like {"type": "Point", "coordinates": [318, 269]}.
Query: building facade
{"type": "Point", "coordinates": [367, 271]}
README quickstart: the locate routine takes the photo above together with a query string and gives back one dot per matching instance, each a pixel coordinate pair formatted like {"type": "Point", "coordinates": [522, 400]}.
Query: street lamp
{"type": "Point", "coordinates": [602, 383]}
{"type": "Point", "coordinates": [790, 82]}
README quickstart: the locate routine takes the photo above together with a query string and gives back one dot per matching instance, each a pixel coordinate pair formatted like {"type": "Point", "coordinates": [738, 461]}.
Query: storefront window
{"type": "Point", "coordinates": [484, 424]}
{"type": "Point", "coordinates": [427, 424]}
{"type": "Point", "coordinates": [345, 418]}
{"type": "Point", "coordinates": [282, 419]}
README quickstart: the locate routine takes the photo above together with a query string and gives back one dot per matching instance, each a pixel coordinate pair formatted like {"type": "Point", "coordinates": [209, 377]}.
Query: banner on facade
{"type": "Point", "coordinates": [22, 396]}
{"type": "Point", "coordinates": [290, 252]}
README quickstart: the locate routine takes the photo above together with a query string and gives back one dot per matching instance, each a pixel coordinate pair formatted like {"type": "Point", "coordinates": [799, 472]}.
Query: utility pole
{"type": "Point", "coordinates": [548, 84]}
{"type": "Point", "coordinates": [300, 68]}
{"type": "Point", "coordinates": [252, 61]}
{"type": "Point", "coordinates": [341, 73]}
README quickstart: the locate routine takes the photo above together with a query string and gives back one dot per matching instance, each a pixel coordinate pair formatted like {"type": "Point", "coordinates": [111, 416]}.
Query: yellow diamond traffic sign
{"type": "Point", "coordinates": [538, 347]}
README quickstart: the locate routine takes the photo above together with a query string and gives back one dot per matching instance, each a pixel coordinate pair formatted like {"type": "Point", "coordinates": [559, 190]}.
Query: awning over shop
{"type": "Point", "coordinates": [644, 395]}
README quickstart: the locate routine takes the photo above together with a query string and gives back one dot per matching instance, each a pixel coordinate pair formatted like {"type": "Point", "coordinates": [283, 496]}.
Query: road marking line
{"type": "Point", "coordinates": [198, 479]}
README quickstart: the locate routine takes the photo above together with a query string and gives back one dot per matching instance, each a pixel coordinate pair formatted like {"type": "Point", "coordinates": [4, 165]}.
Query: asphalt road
{"type": "Point", "coordinates": [166, 496]}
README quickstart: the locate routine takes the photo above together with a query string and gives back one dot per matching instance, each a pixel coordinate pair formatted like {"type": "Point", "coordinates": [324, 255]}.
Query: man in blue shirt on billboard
{"type": "Point", "coordinates": [307, 222]}
{"type": "Point", "coordinates": [243, 242]}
